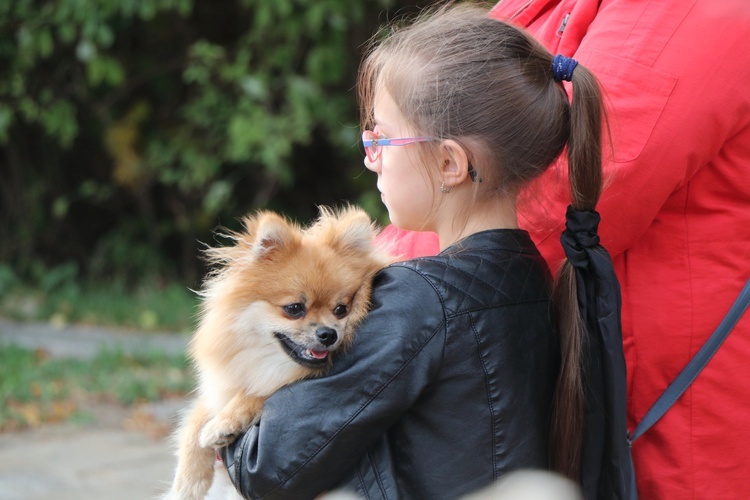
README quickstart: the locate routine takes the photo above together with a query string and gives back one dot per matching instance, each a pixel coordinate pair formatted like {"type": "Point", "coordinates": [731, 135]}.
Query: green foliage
{"type": "Point", "coordinates": [35, 388]}
{"type": "Point", "coordinates": [59, 296]}
{"type": "Point", "coordinates": [129, 129]}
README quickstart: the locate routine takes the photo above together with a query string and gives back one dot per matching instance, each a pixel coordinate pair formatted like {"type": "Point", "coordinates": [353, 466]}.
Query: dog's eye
{"type": "Point", "coordinates": [340, 311]}
{"type": "Point", "coordinates": [296, 310]}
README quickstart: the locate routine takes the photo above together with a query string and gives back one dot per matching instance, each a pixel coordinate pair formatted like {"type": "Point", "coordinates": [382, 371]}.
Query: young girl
{"type": "Point", "coordinates": [451, 379]}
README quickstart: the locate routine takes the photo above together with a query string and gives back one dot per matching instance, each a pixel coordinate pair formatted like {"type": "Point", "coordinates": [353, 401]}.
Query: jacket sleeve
{"type": "Point", "coordinates": [314, 431]}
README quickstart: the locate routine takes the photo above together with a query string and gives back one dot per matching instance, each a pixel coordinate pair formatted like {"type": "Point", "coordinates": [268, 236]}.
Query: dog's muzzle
{"type": "Point", "coordinates": [306, 356]}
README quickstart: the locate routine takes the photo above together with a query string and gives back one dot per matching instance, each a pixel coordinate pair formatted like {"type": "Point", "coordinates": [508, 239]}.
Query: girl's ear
{"type": "Point", "coordinates": [454, 166]}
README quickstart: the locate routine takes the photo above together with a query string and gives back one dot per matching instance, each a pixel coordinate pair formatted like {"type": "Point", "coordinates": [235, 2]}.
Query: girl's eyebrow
{"type": "Point", "coordinates": [380, 124]}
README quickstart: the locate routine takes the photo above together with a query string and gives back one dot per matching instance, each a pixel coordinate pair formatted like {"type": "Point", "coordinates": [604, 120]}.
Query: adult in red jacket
{"type": "Point", "coordinates": [675, 216]}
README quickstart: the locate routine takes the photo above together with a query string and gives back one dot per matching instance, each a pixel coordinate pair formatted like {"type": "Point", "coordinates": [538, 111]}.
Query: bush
{"type": "Point", "coordinates": [129, 129]}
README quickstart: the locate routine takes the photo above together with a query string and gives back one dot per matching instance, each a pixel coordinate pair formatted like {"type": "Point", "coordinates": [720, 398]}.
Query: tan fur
{"type": "Point", "coordinates": [239, 358]}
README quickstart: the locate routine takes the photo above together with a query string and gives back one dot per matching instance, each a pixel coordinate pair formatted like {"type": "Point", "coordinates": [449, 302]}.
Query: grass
{"type": "Point", "coordinates": [36, 389]}
{"type": "Point", "coordinates": [149, 307]}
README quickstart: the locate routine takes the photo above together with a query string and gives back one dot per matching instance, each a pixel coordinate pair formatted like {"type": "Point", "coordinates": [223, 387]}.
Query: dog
{"type": "Point", "coordinates": [274, 308]}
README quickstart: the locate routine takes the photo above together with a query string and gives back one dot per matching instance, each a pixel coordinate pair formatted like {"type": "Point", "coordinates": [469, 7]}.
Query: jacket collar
{"type": "Point", "coordinates": [516, 240]}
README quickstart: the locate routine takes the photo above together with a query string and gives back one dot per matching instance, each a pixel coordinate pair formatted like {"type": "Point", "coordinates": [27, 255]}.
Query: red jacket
{"type": "Point", "coordinates": [675, 216]}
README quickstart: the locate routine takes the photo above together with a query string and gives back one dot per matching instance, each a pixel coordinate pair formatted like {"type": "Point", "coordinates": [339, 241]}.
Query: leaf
{"type": "Point", "coordinates": [218, 195]}
{"type": "Point", "coordinates": [60, 207]}
{"type": "Point", "coordinates": [246, 132]}
{"type": "Point", "coordinates": [31, 413]}
{"type": "Point", "coordinates": [325, 64]}
{"type": "Point", "coordinates": [59, 121]}
{"type": "Point", "coordinates": [147, 11]}
{"type": "Point", "coordinates": [105, 70]}
{"type": "Point", "coordinates": [66, 32]}
{"type": "Point", "coordinates": [104, 35]}
{"type": "Point", "coordinates": [6, 119]}
{"type": "Point", "coordinates": [44, 42]}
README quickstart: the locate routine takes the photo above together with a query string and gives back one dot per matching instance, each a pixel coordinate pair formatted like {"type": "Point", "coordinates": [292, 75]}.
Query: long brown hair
{"type": "Point", "coordinates": [585, 175]}
{"type": "Point", "coordinates": [457, 74]}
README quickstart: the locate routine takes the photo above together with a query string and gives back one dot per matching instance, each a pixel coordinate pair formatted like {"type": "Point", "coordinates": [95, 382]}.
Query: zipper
{"type": "Point", "coordinates": [564, 23]}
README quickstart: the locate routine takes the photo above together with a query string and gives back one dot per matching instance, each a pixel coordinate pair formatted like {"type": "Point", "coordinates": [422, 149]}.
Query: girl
{"type": "Point", "coordinates": [451, 379]}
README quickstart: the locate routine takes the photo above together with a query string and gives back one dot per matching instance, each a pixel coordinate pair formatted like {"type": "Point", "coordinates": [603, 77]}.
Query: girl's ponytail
{"type": "Point", "coordinates": [584, 151]}
{"type": "Point", "coordinates": [585, 143]}
{"type": "Point", "coordinates": [589, 433]}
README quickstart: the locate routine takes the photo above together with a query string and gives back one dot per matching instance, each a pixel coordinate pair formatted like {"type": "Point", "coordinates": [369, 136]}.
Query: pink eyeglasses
{"type": "Point", "coordinates": [374, 146]}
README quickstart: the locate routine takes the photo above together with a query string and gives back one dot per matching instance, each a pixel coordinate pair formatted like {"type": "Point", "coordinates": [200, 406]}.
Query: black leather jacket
{"type": "Point", "coordinates": [447, 386]}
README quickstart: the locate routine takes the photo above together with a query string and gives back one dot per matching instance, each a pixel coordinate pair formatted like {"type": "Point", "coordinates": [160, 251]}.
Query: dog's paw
{"type": "Point", "coordinates": [220, 432]}
{"type": "Point", "coordinates": [216, 435]}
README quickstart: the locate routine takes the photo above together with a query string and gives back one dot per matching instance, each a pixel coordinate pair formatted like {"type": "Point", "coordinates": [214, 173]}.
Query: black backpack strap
{"type": "Point", "coordinates": [694, 367]}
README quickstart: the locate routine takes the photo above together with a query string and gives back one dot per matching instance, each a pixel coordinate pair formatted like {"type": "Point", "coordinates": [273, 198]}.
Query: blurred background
{"type": "Point", "coordinates": [129, 131]}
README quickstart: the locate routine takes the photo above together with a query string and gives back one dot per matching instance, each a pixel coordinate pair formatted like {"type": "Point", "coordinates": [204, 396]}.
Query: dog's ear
{"type": "Point", "coordinates": [271, 234]}
{"type": "Point", "coordinates": [348, 230]}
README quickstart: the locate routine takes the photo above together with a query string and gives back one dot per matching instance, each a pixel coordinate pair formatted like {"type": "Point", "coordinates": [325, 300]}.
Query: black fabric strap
{"type": "Point", "coordinates": [694, 367]}
{"type": "Point", "coordinates": [606, 466]}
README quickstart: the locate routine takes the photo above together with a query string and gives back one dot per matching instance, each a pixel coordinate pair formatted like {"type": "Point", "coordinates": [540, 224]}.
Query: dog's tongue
{"type": "Point", "coordinates": [318, 354]}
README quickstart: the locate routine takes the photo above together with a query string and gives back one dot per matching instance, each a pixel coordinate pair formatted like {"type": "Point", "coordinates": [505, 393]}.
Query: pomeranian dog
{"type": "Point", "coordinates": [275, 306]}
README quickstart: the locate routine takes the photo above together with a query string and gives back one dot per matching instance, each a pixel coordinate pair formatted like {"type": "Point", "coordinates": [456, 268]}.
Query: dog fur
{"type": "Point", "coordinates": [276, 304]}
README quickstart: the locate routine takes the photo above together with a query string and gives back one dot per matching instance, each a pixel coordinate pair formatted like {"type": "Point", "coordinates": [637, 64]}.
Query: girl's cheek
{"type": "Point", "coordinates": [372, 166]}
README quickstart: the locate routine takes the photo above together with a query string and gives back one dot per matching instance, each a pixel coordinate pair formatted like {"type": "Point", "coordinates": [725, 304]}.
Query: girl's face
{"type": "Point", "coordinates": [404, 184]}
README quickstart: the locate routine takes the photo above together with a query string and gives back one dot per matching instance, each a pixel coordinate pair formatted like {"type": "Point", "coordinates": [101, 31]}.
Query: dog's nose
{"type": "Point", "coordinates": [326, 335]}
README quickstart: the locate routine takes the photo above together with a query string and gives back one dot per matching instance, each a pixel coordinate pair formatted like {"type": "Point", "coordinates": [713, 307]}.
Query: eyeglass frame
{"type": "Point", "coordinates": [374, 142]}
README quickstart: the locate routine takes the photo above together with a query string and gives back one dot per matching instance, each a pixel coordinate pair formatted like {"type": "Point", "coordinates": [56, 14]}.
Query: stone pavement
{"type": "Point", "coordinates": [123, 454]}
{"type": "Point", "coordinates": [68, 462]}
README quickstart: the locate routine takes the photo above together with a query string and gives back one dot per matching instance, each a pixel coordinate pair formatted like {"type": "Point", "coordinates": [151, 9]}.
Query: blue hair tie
{"type": "Point", "coordinates": [562, 67]}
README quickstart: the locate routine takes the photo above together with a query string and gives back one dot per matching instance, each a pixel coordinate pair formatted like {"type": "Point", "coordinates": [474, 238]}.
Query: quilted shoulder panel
{"type": "Point", "coordinates": [488, 269]}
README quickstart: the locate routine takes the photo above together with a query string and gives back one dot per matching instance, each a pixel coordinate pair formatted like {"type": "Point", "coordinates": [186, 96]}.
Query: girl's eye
{"type": "Point", "coordinates": [296, 310]}
{"type": "Point", "coordinates": [340, 311]}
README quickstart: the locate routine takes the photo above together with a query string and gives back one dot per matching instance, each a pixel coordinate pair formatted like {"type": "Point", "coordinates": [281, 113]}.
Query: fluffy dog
{"type": "Point", "coordinates": [276, 305]}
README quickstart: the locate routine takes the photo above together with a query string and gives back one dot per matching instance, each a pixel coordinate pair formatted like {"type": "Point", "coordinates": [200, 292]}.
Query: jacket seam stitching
{"type": "Point", "coordinates": [495, 306]}
{"type": "Point", "coordinates": [378, 478]}
{"type": "Point", "coordinates": [362, 482]}
{"type": "Point", "coordinates": [236, 476]}
{"type": "Point", "coordinates": [489, 399]}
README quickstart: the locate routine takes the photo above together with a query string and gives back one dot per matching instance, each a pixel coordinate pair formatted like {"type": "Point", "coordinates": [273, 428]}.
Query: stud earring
{"type": "Point", "coordinates": [444, 189]}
